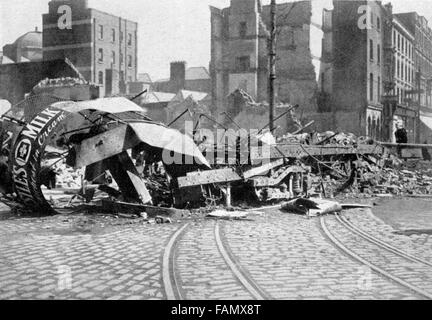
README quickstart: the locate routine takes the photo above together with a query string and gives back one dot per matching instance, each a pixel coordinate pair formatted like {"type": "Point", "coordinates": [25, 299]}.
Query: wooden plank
{"type": "Point", "coordinates": [208, 177]}
{"type": "Point", "coordinates": [105, 145]}
{"type": "Point", "coordinates": [274, 181]}
{"type": "Point", "coordinates": [128, 179]}
{"type": "Point", "coordinates": [406, 145]}
{"type": "Point", "coordinates": [411, 153]}
{"type": "Point", "coordinates": [262, 169]}
{"type": "Point", "coordinates": [298, 151]}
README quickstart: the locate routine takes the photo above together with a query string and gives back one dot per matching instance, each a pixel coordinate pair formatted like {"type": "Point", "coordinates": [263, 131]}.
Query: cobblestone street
{"type": "Point", "coordinates": [272, 255]}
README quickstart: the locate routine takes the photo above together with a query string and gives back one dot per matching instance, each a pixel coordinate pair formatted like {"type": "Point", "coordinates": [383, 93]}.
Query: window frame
{"type": "Point", "coordinates": [378, 53]}
{"type": "Point", "coordinates": [101, 80]}
{"type": "Point", "coordinates": [379, 88]}
{"type": "Point", "coordinates": [113, 35]}
{"type": "Point", "coordinates": [243, 63]}
{"type": "Point", "coordinates": [100, 31]}
{"type": "Point", "coordinates": [243, 30]}
{"type": "Point", "coordinates": [129, 39]}
{"type": "Point", "coordinates": [100, 55]}
{"type": "Point", "coordinates": [113, 58]}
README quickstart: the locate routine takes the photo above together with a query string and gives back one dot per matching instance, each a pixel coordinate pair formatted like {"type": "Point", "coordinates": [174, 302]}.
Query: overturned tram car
{"type": "Point", "coordinates": [93, 145]}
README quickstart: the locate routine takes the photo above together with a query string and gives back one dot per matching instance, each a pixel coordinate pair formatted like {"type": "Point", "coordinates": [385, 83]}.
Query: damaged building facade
{"type": "Point", "coordinates": [18, 79]}
{"type": "Point", "coordinates": [418, 26]}
{"type": "Point", "coordinates": [376, 70]}
{"type": "Point", "coordinates": [352, 75]}
{"type": "Point", "coordinates": [102, 46]}
{"type": "Point", "coordinates": [239, 53]}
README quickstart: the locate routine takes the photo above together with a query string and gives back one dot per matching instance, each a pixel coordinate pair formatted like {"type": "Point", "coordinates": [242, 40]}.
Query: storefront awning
{"type": "Point", "coordinates": [426, 120]}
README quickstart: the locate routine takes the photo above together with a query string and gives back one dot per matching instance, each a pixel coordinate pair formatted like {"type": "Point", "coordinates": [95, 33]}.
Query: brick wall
{"type": "Point", "coordinates": [16, 80]}
{"type": "Point", "coordinates": [295, 72]}
{"type": "Point", "coordinates": [82, 45]}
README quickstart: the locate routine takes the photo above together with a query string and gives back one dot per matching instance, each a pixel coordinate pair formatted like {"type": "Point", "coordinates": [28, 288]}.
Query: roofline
{"type": "Point", "coordinates": [403, 27]}
{"type": "Point", "coordinates": [39, 61]}
{"type": "Point", "coordinates": [113, 15]}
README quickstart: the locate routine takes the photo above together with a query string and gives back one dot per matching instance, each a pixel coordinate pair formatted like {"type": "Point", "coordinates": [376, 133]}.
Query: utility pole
{"type": "Point", "coordinates": [272, 64]}
{"type": "Point", "coordinates": [417, 131]}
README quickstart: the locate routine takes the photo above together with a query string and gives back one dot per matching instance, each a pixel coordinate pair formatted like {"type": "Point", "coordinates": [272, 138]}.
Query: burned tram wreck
{"type": "Point", "coordinates": [58, 155]}
{"type": "Point", "coordinates": [99, 137]}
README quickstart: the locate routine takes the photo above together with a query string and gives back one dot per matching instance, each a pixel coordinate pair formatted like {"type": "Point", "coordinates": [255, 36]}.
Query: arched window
{"type": "Point", "coordinates": [378, 129]}
{"type": "Point", "coordinates": [369, 126]}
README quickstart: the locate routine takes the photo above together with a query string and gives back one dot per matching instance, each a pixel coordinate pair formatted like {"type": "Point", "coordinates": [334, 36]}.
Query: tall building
{"type": "Point", "coordinates": [399, 81]}
{"type": "Point", "coordinates": [377, 70]}
{"type": "Point", "coordinates": [239, 52]}
{"type": "Point", "coordinates": [102, 46]}
{"type": "Point", "coordinates": [359, 31]}
{"type": "Point", "coordinates": [422, 55]}
{"type": "Point", "coordinates": [325, 80]}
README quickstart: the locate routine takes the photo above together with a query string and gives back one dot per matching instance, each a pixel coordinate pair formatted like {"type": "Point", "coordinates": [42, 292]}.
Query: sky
{"type": "Point", "coordinates": [169, 30]}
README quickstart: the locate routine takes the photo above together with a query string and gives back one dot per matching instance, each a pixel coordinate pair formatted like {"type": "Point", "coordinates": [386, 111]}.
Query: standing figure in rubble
{"type": "Point", "coordinates": [401, 134]}
{"type": "Point", "coordinates": [401, 137]}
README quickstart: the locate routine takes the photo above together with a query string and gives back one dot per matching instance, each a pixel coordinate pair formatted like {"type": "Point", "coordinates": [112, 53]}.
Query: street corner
{"type": "Point", "coordinates": [289, 158]}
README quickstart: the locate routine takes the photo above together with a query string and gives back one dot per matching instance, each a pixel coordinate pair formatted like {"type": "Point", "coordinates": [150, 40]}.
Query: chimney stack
{"type": "Point", "coordinates": [75, 5]}
{"type": "Point", "coordinates": [178, 75]}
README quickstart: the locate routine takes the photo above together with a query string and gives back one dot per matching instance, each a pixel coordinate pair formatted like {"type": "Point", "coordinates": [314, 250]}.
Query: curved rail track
{"type": "Point", "coordinates": [391, 253]}
{"type": "Point", "coordinates": [379, 242]}
{"type": "Point", "coordinates": [240, 273]}
{"type": "Point", "coordinates": [170, 275]}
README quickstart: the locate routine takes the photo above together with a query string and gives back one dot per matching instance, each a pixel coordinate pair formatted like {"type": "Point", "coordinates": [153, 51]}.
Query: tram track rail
{"type": "Point", "coordinates": [387, 248]}
{"type": "Point", "coordinates": [171, 277]}
{"type": "Point", "coordinates": [237, 269]}
{"type": "Point", "coordinates": [343, 220]}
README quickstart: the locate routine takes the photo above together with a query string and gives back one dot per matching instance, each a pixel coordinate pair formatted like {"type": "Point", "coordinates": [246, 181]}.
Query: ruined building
{"type": "Point", "coordinates": [183, 78]}
{"type": "Point", "coordinates": [102, 46]}
{"type": "Point", "coordinates": [353, 78]}
{"type": "Point", "coordinates": [400, 81]}
{"type": "Point", "coordinates": [421, 54]}
{"type": "Point", "coordinates": [239, 53]}
{"type": "Point", "coordinates": [376, 68]}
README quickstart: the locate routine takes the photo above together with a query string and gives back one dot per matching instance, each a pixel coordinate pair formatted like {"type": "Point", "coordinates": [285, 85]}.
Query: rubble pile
{"type": "Point", "coordinates": [159, 189]}
{"type": "Point", "coordinates": [65, 176]}
{"type": "Point", "coordinates": [60, 82]}
{"type": "Point", "coordinates": [328, 137]}
{"type": "Point", "coordinates": [68, 177]}
{"type": "Point", "coordinates": [394, 178]}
